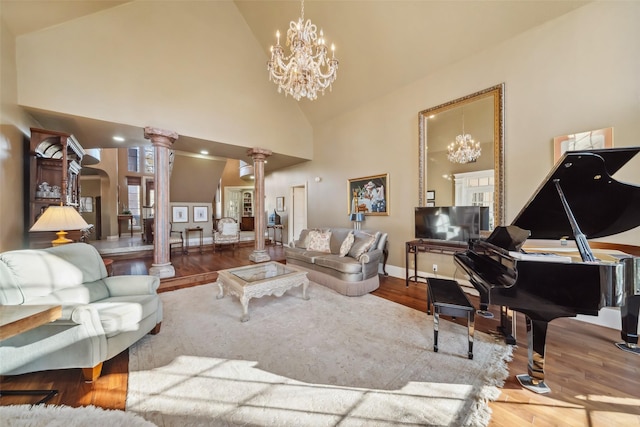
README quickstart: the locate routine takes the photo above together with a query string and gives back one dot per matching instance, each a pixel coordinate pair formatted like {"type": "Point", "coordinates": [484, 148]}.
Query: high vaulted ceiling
{"type": "Point", "coordinates": [381, 45]}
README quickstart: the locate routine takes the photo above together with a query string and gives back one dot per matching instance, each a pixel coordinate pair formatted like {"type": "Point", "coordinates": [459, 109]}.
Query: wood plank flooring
{"type": "Point", "coordinates": [592, 382]}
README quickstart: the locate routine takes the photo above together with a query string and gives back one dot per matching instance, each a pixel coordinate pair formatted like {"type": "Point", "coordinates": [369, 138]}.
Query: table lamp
{"type": "Point", "coordinates": [357, 218]}
{"type": "Point", "coordinates": [60, 218]}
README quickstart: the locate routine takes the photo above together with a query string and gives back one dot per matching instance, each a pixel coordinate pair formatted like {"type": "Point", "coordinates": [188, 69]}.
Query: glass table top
{"type": "Point", "coordinates": [261, 272]}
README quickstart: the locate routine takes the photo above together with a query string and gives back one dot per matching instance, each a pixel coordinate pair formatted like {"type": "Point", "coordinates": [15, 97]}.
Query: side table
{"type": "Point", "coordinates": [276, 228]}
{"type": "Point", "coordinates": [449, 299]}
{"type": "Point", "coordinates": [186, 237]}
{"type": "Point", "coordinates": [125, 218]}
{"type": "Point", "coordinates": [108, 263]}
{"type": "Point", "coordinates": [427, 245]}
{"type": "Point", "coordinates": [16, 319]}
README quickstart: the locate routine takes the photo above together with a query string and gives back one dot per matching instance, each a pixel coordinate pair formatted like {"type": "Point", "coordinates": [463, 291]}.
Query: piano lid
{"type": "Point", "coordinates": [601, 205]}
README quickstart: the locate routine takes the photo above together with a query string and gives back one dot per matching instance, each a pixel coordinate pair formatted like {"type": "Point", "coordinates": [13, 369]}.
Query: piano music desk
{"type": "Point", "coordinates": [449, 299]}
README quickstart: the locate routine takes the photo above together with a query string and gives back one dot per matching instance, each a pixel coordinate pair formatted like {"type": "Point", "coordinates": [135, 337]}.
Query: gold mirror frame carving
{"type": "Point", "coordinates": [497, 92]}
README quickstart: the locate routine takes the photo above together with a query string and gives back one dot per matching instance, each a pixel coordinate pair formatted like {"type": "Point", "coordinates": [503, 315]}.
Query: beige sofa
{"type": "Point", "coordinates": [101, 315]}
{"type": "Point", "coordinates": [353, 273]}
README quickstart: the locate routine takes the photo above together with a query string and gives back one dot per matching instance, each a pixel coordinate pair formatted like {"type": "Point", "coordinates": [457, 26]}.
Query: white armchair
{"type": "Point", "coordinates": [226, 232]}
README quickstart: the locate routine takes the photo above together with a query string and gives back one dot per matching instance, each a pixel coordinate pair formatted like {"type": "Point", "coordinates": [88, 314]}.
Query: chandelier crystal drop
{"type": "Point", "coordinates": [464, 149]}
{"type": "Point", "coordinates": [307, 70]}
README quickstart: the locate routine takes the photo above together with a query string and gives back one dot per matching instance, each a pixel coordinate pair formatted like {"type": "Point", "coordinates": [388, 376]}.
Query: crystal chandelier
{"type": "Point", "coordinates": [464, 149]}
{"type": "Point", "coordinates": [307, 69]}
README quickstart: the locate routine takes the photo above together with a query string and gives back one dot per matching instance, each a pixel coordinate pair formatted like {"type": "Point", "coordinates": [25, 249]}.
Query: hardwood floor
{"type": "Point", "coordinates": [592, 382]}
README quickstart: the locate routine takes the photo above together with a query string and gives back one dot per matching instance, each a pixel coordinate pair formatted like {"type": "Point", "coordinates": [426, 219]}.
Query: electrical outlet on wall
{"type": "Point", "coordinates": [435, 268]}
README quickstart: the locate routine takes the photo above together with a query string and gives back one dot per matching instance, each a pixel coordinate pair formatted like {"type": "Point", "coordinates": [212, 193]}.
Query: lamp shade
{"type": "Point", "coordinates": [60, 218]}
{"type": "Point", "coordinates": [358, 217]}
{"type": "Point", "coordinates": [57, 218]}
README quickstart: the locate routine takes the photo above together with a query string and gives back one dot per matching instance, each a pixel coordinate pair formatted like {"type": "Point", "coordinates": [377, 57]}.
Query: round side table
{"type": "Point", "coordinates": [108, 262]}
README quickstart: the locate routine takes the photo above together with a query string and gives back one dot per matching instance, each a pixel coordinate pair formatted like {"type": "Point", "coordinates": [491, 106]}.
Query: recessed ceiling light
{"type": "Point", "coordinates": [205, 152]}
{"type": "Point", "coordinates": [118, 138]}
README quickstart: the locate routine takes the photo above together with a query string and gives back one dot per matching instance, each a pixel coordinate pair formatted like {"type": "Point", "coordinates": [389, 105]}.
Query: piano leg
{"type": "Point", "coordinates": [629, 314]}
{"type": "Point", "coordinates": [507, 325]}
{"type": "Point", "coordinates": [537, 337]}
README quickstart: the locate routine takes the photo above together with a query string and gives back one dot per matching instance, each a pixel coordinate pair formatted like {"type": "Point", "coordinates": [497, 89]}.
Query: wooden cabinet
{"type": "Point", "coordinates": [52, 166]}
{"type": "Point", "coordinates": [247, 223]}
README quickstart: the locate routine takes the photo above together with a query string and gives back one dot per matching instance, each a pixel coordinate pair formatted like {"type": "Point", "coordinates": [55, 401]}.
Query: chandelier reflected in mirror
{"type": "Point", "coordinates": [307, 70]}
{"type": "Point", "coordinates": [464, 149]}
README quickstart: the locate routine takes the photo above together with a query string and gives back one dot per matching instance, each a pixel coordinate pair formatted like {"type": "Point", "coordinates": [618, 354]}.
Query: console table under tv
{"type": "Point", "coordinates": [427, 245]}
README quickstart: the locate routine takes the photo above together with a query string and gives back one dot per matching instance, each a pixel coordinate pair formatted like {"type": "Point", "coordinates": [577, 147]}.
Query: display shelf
{"type": "Point", "coordinates": [52, 167]}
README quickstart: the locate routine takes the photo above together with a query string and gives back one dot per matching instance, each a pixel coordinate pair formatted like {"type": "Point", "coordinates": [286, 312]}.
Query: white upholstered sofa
{"type": "Point", "coordinates": [342, 259]}
{"type": "Point", "coordinates": [101, 315]}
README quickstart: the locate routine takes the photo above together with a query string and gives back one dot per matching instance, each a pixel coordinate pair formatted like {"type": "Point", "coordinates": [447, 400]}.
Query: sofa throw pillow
{"type": "Point", "coordinates": [361, 244]}
{"type": "Point", "coordinates": [376, 240]}
{"type": "Point", "coordinates": [346, 244]}
{"type": "Point", "coordinates": [319, 241]}
{"type": "Point", "coordinates": [302, 240]}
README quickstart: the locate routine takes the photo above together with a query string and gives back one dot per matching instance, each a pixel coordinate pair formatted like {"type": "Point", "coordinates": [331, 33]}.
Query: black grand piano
{"type": "Point", "coordinates": [578, 200]}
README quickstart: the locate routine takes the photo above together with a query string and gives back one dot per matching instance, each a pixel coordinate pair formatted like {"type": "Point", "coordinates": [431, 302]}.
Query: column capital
{"type": "Point", "coordinates": [259, 153]}
{"type": "Point", "coordinates": [160, 136]}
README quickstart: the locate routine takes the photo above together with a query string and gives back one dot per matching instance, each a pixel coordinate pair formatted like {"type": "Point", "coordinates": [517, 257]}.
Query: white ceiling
{"type": "Point", "coordinates": [381, 45]}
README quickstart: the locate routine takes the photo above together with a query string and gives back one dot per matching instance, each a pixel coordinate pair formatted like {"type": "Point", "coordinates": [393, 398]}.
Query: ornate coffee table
{"type": "Point", "coordinates": [255, 281]}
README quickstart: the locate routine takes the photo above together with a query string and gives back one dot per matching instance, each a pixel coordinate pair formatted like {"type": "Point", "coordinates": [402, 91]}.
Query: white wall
{"type": "Point", "coordinates": [576, 73]}
{"type": "Point", "coordinates": [143, 64]}
{"type": "Point", "coordinates": [14, 125]}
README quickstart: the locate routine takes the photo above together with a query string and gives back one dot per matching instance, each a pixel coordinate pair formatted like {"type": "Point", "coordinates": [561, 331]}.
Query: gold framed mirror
{"type": "Point", "coordinates": [450, 181]}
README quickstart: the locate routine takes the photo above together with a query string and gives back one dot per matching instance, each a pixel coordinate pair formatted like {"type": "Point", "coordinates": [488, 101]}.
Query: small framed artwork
{"type": "Point", "coordinates": [200, 214]}
{"type": "Point", "coordinates": [431, 195]}
{"type": "Point", "coordinates": [86, 204]}
{"type": "Point", "coordinates": [368, 195]}
{"type": "Point", "coordinates": [279, 204]}
{"type": "Point", "coordinates": [591, 140]}
{"type": "Point", "coordinates": [431, 204]}
{"type": "Point", "coordinates": [180, 214]}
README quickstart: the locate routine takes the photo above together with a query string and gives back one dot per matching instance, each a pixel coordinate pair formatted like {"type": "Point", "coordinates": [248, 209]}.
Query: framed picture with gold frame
{"type": "Point", "coordinates": [368, 195]}
{"type": "Point", "coordinates": [590, 140]}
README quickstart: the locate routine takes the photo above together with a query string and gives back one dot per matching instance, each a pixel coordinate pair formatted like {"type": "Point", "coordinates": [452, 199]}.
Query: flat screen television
{"type": "Point", "coordinates": [451, 223]}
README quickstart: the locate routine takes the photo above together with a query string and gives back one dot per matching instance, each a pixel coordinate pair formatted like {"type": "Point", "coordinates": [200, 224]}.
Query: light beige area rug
{"type": "Point", "coordinates": [67, 416]}
{"type": "Point", "coordinates": [329, 361]}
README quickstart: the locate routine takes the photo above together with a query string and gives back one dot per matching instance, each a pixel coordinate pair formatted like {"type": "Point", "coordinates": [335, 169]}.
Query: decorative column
{"type": "Point", "coordinates": [162, 141]}
{"type": "Point", "coordinates": [259, 155]}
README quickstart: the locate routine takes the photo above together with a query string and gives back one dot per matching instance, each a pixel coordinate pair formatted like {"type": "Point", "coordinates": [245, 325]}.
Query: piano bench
{"type": "Point", "coordinates": [448, 299]}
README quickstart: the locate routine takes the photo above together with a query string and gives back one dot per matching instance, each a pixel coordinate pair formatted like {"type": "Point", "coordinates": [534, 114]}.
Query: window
{"type": "Point", "coordinates": [151, 194]}
{"type": "Point", "coordinates": [148, 160]}
{"type": "Point", "coordinates": [134, 199]}
{"type": "Point", "coordinates": [475, 189]}
{"type": "Point", "coordinates": [133, 162]}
